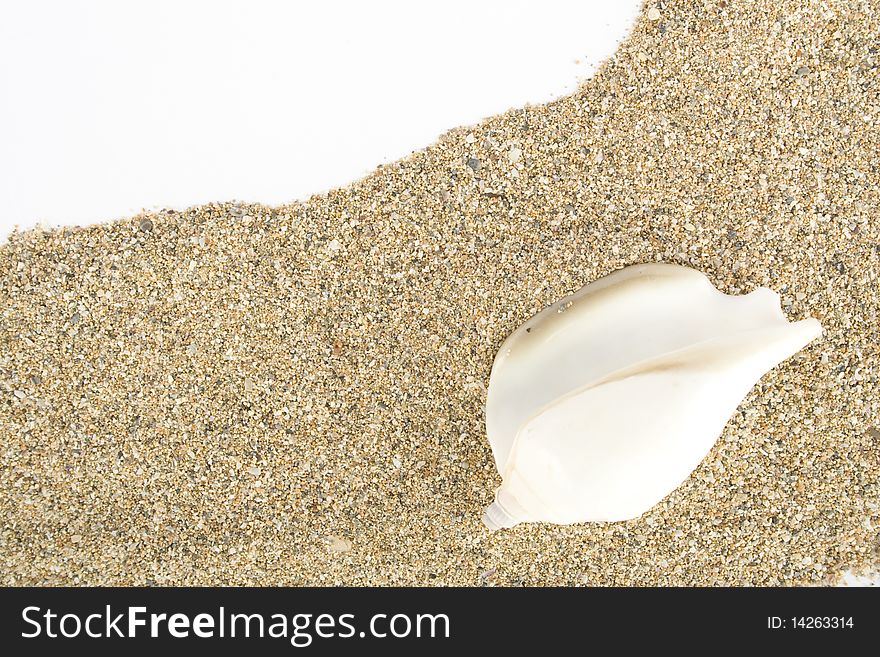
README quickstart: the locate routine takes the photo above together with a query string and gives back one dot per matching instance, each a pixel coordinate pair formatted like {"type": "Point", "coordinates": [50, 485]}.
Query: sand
{"type": "Point", "coordinates": [239, 394]}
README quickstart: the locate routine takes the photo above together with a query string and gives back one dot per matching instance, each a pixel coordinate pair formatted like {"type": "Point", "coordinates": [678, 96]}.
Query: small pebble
{"type": "Point", "coordinates": [337, 544]}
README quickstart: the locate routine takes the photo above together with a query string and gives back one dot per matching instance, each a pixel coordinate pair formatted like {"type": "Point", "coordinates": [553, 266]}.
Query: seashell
{"type": "Point", "coordinates": [603, 403]}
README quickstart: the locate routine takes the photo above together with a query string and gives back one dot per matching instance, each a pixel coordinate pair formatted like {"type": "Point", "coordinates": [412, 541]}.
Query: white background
{"type": "Point", "coordinates": [110, 107]}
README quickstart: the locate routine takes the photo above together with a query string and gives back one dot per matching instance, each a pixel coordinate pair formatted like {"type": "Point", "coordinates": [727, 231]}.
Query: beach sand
{"type": "Point", "coordinates": [245, 395]}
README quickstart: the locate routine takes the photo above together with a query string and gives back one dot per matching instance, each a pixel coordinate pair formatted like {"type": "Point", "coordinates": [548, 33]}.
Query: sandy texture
{"type": "Point", "coordinates": [246, 395]}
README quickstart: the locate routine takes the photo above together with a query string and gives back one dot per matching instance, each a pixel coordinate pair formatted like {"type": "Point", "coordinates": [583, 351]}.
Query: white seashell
{"type": "Point", "coordinates": [603, 403]}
